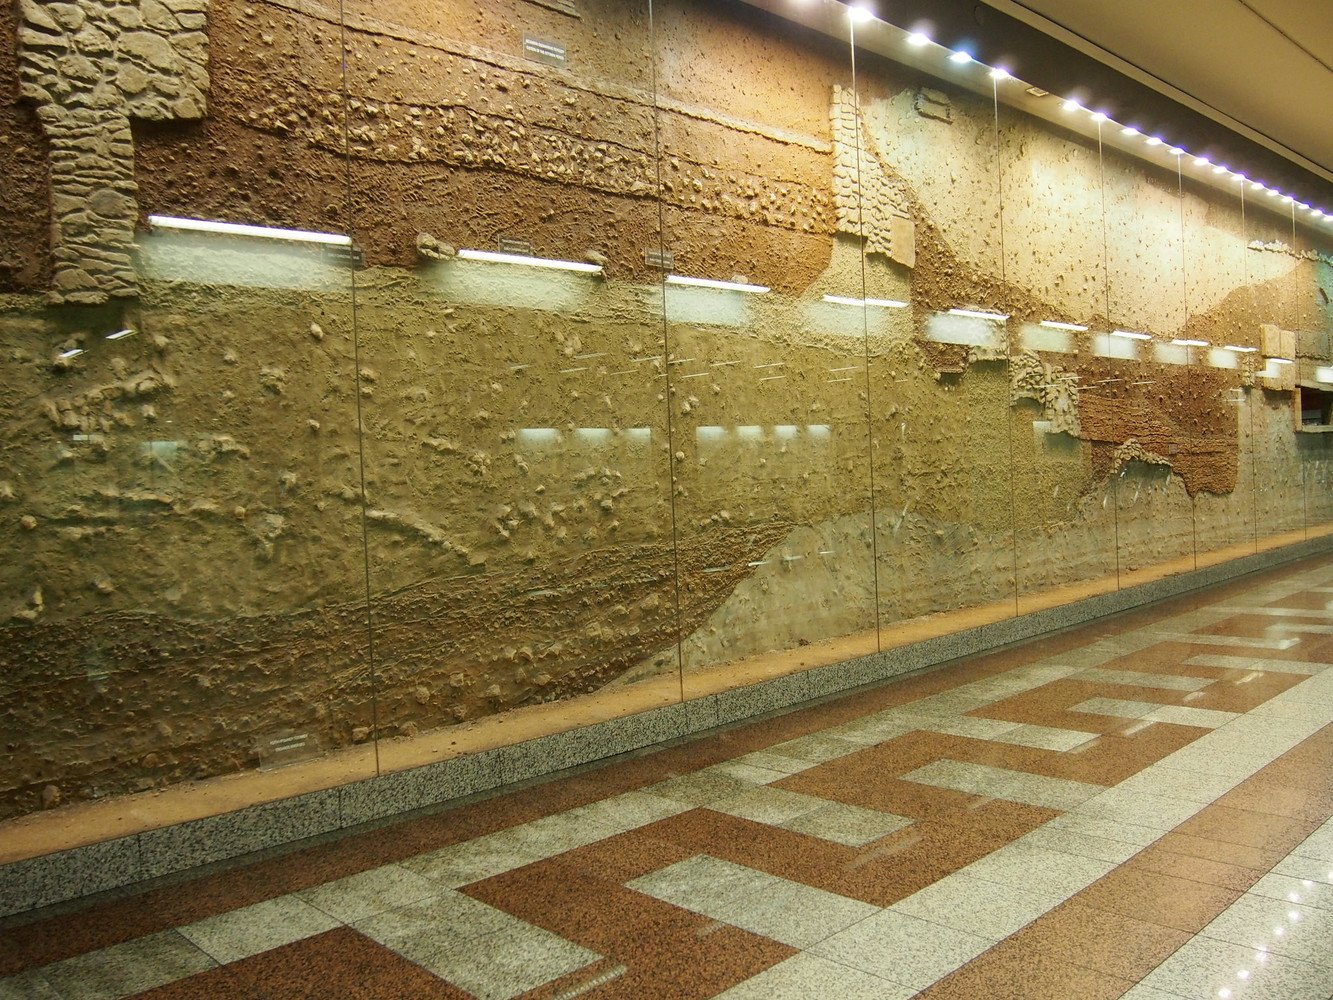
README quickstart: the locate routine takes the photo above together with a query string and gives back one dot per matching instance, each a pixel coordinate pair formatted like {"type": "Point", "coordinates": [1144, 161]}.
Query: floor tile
{"type": "Point", "coordinates": [1046, 737]}
{"type": "Point", "coordinates": [1279, 925]}
{"type": "Point", "coordinates": [1039, 870]}
{"type": "Point", "coordinates": [505, 963]}
{"type": "Point", "coordinates": [704, 787]}
{"type": "Point", "coordinates": [361, 895]}
{"type": "Point", "coordinates": [462, 864]}
{"type": "Point", "coordinates": [1135, 678]}
{"type": "Point", "coordinates": [1160, 899]}
{"type": "Point", "coordinates": [1204, 967]}
{"type": "Point", "coordinates": [702, 883]}
{"type": "Point", "coordinates": [1003, 783]}
{"type": "Point", "coordinates": [126, 969]}
{"type": "Point", "coordinates": [809, 977]}
{"type": "Point", "coordinates": [773, 806]}
{"type": "Point", "coordinates": [792, 913]}
{"type": "Point", "coordinates": [1105, 942]}
{"type": "Point", "coordinates": [902, 948]}
{"type": "Point", "coordinates": [844, 824]}
{"type": "Point", "coordinates": [260, 927]}
{"type": "Point", "coordinates": [968, 904]}
{"type": "Point", "coordinates": [31, 985]}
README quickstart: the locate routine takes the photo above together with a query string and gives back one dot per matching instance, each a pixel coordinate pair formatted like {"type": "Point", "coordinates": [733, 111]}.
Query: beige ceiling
{"type": "Point", "coordinates": [1264, 64]}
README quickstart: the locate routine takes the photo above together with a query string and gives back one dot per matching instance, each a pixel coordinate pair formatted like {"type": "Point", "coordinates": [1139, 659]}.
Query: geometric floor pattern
{"type": "Point", "coordinates": [1139, 807]}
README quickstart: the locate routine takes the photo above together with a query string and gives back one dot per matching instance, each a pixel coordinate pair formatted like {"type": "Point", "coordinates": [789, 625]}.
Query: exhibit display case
{"type": "Point", "coordinates": [378, 372]}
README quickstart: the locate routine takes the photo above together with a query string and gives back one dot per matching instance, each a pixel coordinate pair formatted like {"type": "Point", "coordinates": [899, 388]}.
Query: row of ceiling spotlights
{"type": "Point", "coordinates": [861, 14]}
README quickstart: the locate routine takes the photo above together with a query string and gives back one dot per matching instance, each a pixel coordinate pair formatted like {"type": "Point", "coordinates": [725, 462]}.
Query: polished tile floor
{"type": "Point", "coordinates": [1139, 807]}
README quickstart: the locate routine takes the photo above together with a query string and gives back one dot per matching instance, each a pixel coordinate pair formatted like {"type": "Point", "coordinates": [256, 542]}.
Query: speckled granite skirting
{"type": "Point", "coordinates": [67, 875]}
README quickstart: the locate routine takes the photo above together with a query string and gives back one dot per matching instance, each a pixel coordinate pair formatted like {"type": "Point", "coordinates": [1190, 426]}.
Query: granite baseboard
{"type": "Point", "coordinates": [84, 871]}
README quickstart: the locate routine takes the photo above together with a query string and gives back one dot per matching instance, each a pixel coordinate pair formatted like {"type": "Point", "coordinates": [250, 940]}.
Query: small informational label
{"type": "Point", "coordinates": [284, 747]}
{"type": "Point", "coordinates": [664, 260]}
{"type": "Point", "coordinates": [346, 256]}
{"type": "Point", "coordinates": [516, 246]}
{"type": "Point", "coordinates": [542, 51]}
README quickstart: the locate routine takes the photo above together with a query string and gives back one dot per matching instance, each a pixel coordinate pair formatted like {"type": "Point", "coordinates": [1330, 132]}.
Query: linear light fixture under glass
{"type": "Point", "coordinates": [1241, 350]}
{"type": "Point", "coordinates": [726, 286]}
{"type": "Point", "coordinates": [235, 229]}
{"type": "Point", "coordinates": [1131, 335]}
{"type": "Point", "coordinates": [1280, 361]}
{"type": "Point", "coordinates": [842, 300]}
{"type": "Point", "coordinates": [1185, 342]}
{"type": "Point", "coordinates": [517, 258]}
{"type": "Point", "coordinates": [120, 334]}
{"type": "Point", "coordinates": [1057, 325]}
{"type": "Point", "coordinates": [979, 314]}
{"type": "Point", "coordinates": [73, 352]}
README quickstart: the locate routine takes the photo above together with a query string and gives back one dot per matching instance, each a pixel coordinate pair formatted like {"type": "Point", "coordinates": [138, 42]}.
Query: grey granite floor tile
{"type": "Point", "coordinates": [1178, 783]}
{"type": "Point", "coordinates": [1002, 783]}
{"type": "Point", "coordinates": [628, 811]}
{"type": "Point", "coordinates": [1281, 926]}
{"type": "Point", "coordinates": [748, 772]}
{"type": "Point", "coordinates": [369, 892]}
{"type": "Point", "coordinates": [775, 762]}
{"type": "Point", "coordinates": [809, 977]}
{"type": "Point", "coordinates": [974, 906]}
{"type": "Point", "coordinates": [902, 948]}
{"type": "Point", "coordinates": [463, 864]}
{"type": "Point", "coordinates": [1045, 737]}
{"type": "Point", "coordinates": [1134, 678]}
{"type": "Point", "coordinates": [257, 928]}
{"type": "Point", "coordinates": [1309, 869]}
{"type": "Point", "coordinates": [844, 824]}
{"type": "Point", "coordinates": [702, 883]}
{"type": "Point", "coordinates": [442, 921]}
{"type": "Point", "coordinates": [1106, 829]}
{"type": "Point", "coordinates": [1080, 844]}
{"type": "Point", "coordinates": [702, 787]}
{"type": "Point", "coordinates": [1203, 967]}
{"type": "Point", "coordinates": [31, 985]}
{"type": "Point", "coordinates": [1039, 870]}
{"type": "Point", "coordinates": [1241, 662]}
{"type": "Point", "coordinates": [505, 965]}
{"type": "Point", "coordinates": [791, 913]}
{"type": "Point", "coordinates": [773, 806]}
{"type": "Point", "coordinates": [1163, 812]}
{"type": "Point", "coordinates": [125, 969]}
{"type": "Point", "coordinates": [818, 747]}
{"type": "Point", "coordinates": [552, 835]}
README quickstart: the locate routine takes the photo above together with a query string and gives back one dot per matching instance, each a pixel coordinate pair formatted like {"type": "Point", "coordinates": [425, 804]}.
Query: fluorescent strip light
{"type": "Point", "coordinates": [1241, 350]}
{"type": "Point", "coordinates": [234, 229]}
{"type": "Point", "coordinates": [960, 57]}
{"type": "Point", "coordinates": [978, 314]}
{"type": "Point", "coordinates": [73, 352]}
{"type": "Point", "coordinates": [1324, 375]}
{"type": "Point", "coordinates": [842, 300]}
{"type": "Point", "coordinates": [515, 258]}
{"type": "Point", "coordinates": [727, 286]}
{"type": "Point", "coordinates": [120, 334]}
{"type": "Point", "coordinates": [1131, 335]}
{"type": "Point", "coordinates": [1057, 325]}
{"type": "Point", "coordinates": [1280, 361]}
{"type": "Point", "coordinates": [1184, 342]}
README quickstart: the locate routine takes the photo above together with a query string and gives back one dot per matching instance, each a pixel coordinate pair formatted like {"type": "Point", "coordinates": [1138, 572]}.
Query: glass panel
{"type": "Point", "coordinates": [1221, 315]}
{"type": "Point", "coordinates": [940, 378]}
{"type": "Point", "coordinates": [185, 598]}
{"type": "Point", "coordinates": [765, 375]}
{"type": "Point", "coordinates": [1275, 269]}
{"type": "Point", "coordinates": [1146, 400]}
{"type": "Point", "coordinates": [1055, 243]}
{"type": "Point", "coordinates": [1316, 359]}
{"type": "Point", "coordinates": [519, 521]}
